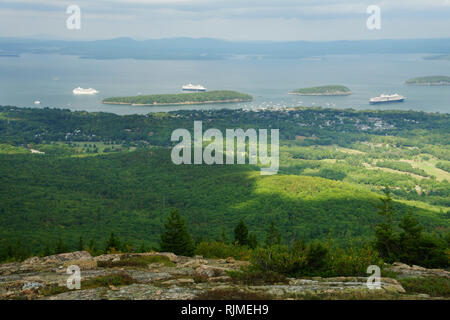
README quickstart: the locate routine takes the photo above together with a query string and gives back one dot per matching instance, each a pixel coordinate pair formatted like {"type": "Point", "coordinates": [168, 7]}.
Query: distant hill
{"type": "Point", "coordinates": [207, 48]}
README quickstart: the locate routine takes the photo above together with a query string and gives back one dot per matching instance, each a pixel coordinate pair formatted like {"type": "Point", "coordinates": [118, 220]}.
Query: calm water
{"type": "Point", "coordinates": [51, 79]}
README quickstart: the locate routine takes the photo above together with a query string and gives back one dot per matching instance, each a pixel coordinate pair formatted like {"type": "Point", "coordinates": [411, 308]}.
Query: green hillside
{"type": "Point", "coordinates": [100, 172]}
{"type": "Point", "coordinates": [133, 193]}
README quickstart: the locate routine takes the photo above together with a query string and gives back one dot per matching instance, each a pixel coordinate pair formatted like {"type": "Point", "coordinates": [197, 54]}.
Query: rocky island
{"type": "Point", "coordinates": [221, 96]}
{"type": "Point", "coordinates": [430, 81]}
{"type": "Point", "coordinates": [329, 90]}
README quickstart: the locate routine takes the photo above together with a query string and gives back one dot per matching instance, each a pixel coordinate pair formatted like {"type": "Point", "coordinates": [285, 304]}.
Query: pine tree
{"type": "Point", "coordinates": [412, 230]}
{"type": "Point", "coordinates": [92, 247]}
{"type": "Point", "coordinates": [273, 236]}
{"type": "Point", "coordinates": [80, 244]}
{"type": "Point", "coordinates": [241, 234]}
{"type": "Point", "coordinates": [142, 248]}
{"type": "Point", "coordinates": [223, 237]}
{"type": "Point", "coordinates": [113, 244]}
{"type": "Point", "coordinates": [9, 251]}
{"type": "Point", "coordinates": [252, 241]}
{"type": "Point", "coordinates": [385, 209]}
{"type": "Point", "coordinates": [175, 237]}
{"type": "Point", "coordinates": [60, 247]}
{"type": "Point", "coordinates": [47, 251]}
{"type": "Point", "coordinates": [386, 241]}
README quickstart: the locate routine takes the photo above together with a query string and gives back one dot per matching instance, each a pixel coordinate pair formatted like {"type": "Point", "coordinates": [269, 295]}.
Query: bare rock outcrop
{"type": "Point", "coordinates": [404, 270]}
{"type": "Point", "coordinates": [182, 278]}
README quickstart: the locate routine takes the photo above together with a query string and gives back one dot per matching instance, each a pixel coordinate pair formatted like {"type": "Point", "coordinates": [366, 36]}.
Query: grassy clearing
{"type": "Point", "coordinates": [9, 149]}
{"type": "Point", "coordinates": [88, 147]}
{"type": "Point", "coordinates": [423, 205]}
{"type": "Point", "coordinates": [119, 279]}
{"type": "Point", "coordinates": [413, 175]}
{"type": "Point", "coordinates": [4, 116]}
{"type": "Point", "coordinates": [430, 168]}
{"type": "Point", "coordinates": [349, 151]}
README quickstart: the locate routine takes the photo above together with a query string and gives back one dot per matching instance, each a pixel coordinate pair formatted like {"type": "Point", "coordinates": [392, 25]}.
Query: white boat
{"type": "Point", "coordinates": [386, 98]}
{"type": "Point", "coordinates": [37, 102]}
{"type": "Point", "coordinates": [194, 88]}
{"type": "Point", "coordinates": [81, 91]}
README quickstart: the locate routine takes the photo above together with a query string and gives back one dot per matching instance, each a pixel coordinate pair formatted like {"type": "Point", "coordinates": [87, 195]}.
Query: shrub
{"type": "Point", "coordinates": [411, 245]}
{"type": "Point", "coordinates": [136, 261]}
{"type": "Point", "coordinates": [287, 261]}
{"type": "Point", "coordinates": [220, 250]}
{"type": "Point", "coordinates": [433, 286]}
{"type": "Point", "coordinates": [118, 279]}
{"type": "Point", "coordinates": [353, 262]}
{"type": "Point", "coordinates": [253, 276]}
{"type": "Point", "coordinates": [315, 259]}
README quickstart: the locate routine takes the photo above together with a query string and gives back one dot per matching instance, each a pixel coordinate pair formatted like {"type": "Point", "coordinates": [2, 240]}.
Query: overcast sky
{"type": "Point", "coordinates": [226, 19]}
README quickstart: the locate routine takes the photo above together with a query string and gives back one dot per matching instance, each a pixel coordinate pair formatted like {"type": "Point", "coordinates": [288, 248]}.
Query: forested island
{"type": "Point", "coordinates": [220, 96]}
{"type": "Point", "coordinates": [430, 81]}
{"type": "Point", "coordinates": [438, 57]}
{"type": "Point", "coordinates": [329, 90]}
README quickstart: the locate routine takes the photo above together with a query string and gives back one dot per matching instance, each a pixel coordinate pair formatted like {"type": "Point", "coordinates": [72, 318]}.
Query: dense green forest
{"type": "Point", "coordinates": [182, 98]}
{"type": "Point", "coordinates": [98, 173]}
{"type": "Point", "coordinates": [325, 90]}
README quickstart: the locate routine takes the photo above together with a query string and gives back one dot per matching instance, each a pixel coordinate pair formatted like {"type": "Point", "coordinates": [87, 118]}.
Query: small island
{"type": "Point", "coordinates": [221, 96]}
{"type": "Point", "coordinates": [430, 81]}
{"type": "Point", "coordinates": [330, 90]}
{"type": "Point", "coordinates": [438, 57]}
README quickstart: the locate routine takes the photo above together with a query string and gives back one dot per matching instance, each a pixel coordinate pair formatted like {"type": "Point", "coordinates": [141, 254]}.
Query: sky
{"type": "Point", "coordinates": [239, 20]}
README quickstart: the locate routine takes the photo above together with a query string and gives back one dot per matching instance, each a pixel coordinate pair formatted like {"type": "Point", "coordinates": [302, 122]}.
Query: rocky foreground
{"type": "Point", "coordinates": [165, 276]}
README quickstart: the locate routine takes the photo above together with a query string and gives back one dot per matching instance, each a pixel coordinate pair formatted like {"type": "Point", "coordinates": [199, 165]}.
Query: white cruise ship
{"type": "Point", "coordinates": [386, 98]}
{"type": "Point", "coordinates": [194, 88]}
{"type": "Point", "coordinates": [81, 91]}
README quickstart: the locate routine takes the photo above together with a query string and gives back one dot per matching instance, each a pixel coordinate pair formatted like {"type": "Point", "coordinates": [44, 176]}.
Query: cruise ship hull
{"type": "Point", "coordinates": [387, 101]}
{"type": "Point", "coordinates": [194, 90]}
